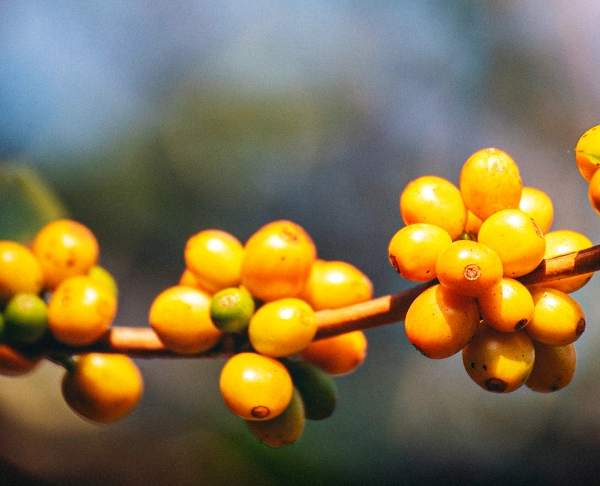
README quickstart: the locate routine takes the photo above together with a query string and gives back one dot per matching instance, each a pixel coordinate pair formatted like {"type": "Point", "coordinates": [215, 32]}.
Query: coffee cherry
{"type": "Point", "coordinates": [13, 363]}
{"type": "Point", "coordinates": [103, 388]}
{"type": "Point", "coordinates": [507, 307]}
{"type": "Point", "coordinates": [517, 240]}
{"type": "Point", "coordinates": [103, 276]}
{"type": "Point", "coordinates": [65, 248]}
{"type": "Point", "coordinates": [81, 310]}
{"type": "Point", "coordinates": [594, 192]}
{"type": "Point", "coordinates": [558, 319]}
{"type": "Point", "coordinates": [554, 367]}
{"type": "Point", "coordinates": [440, 322]}
{"type": "Point", "coordinates": [499, 362]}
{"type": "Point", "coordinates": [25, 319]}
{"type": "Point", "coordinates": [335, 284]}
{"type": "Point", "coordinates": [317, 388]}
{"type": "Point", "coordinates": [538, 205]}
{"type": "Point", "coordinates": [180, 316]}
{"type": "Point", "coordinates": [214, 257]}
{"type": "Point", "coordinates": [414, 250]}
{"type": "Point", "coordinates": [489, 182]}
{"type": "Point", "coordinates": [231, 309]}
{"type": "Point", "coordinates": [337, 355]}
{"type": "Point", "coordinates": [468, 267]}
{"type": "Point", "coordinates": [472, 226]}
{"type": "Point", "coordinates": [587, 153]}
{"type": "Point", "coordinates": [434, 200]}
{"type": "Point", "coordinates": [282, 327]}
{"type": "Point", "coordinates": [255, 387]}
{"type": "Point", "coordinates": [20, 271]}
{"type": "Point", "coordinates": [277, 261]}
{"type": "Point", "coordinates": [285, 429]}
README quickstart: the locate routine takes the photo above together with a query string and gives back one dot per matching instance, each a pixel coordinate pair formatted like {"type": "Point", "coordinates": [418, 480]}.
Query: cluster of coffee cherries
{"type": "Point", "coordinates": [476, 240]}
{"type": "Point", "coordinates": [261, 297]}
{"type": "Point", "coordinates": [54, 289]}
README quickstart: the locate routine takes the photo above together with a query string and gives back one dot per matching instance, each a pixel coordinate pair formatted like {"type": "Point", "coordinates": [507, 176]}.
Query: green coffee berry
{"type": "Point", "coordinates": [25, 318]}
{"type": "Point", "coordinates": [231, 309]}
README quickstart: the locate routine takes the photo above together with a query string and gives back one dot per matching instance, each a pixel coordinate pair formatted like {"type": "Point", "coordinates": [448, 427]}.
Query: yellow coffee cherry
{"type": "Point", "coordinates": [434, 200]}
{"type": "Point", "coordinates": [103, 388]}
{"type": "Point", "coordinates": [335, 284]}
{"type": "Point", "coordinates": [489, 182]}
{"type": "Point", "coordinates": [506, 307]}
{"type": "Point", "coordinates": [473, 225]}
{"type": "Point", "coordinates": [468, 267]}
{"type": "Point", "coordinates": [255, 387]}
{"type": "Point", "coordinates": [594, 192]}
{"type": "Point", "coordinates": [561, 242]}
{"type": "Point", "coordinates": [538, 205]}
{"type": "Point", "coordinates": [517, 240]}
{"type": "Point", "coordinates": [337, 355]}
{"type": "Point", "coordinates": [214, 258]}
{"type": "Point", "coordinates": [440, 322]}
{"type": "Point", "coordinates": [587, 153]}
{"type": "Point", "coordinates": [558, 319]}
{"type": "Point", "coordinates": [282, 327]}
{"type": "Point", "coordinates": [65, 248]}
{"type": "Point", "coordinates": [413, 251]}
{"type": "Point", "coordinates": [20, 271]}
{"type": "Point", "coordinates": [554, 367]}
{"type": "Point", "coordinates": [277, 261]}
{"type": "Point", "coordinates": [499, 362]}
{"type": "Point", "coordinates": [81, 310]}
{"type": "Point", "coordinates": [180, 316]}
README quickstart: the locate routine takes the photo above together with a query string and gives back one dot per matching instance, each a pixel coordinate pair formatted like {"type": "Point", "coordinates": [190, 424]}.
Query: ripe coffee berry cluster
{"type": "Point", "coordinates": [477, 239]}
{"type": "Point", "coordinates": [265, 293]}
{"type": "Point", "coordinates": [55, 289]}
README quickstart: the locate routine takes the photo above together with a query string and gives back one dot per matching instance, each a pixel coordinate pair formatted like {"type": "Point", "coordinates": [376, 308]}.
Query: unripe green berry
{"type": "Point", "coordinates": [231, 309]}
{"type": "Point", "coordinates": [25, 318]}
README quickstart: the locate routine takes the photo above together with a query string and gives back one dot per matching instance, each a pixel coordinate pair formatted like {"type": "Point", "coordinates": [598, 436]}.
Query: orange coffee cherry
{"type": "Point", "coordinates": [517, 240]}
{"type": "Point", "coordinates": [255, 387]}
{"type": "Point", "coordinates": [440, 322]}
{"type": "Point", "coordinates": [214, 258]}
{"type": "Point", "coordinates": [180, 316]}
{"type": "Point", "coordinates": [20, 271]}
{"type": "Point", "coordinates": [337, 355]}
{"type": "Point", "coordinates": [587, 153]}
{"type": "Point", "coordinates": [434, 200]}
{"type": "Point", "coordinates": [468, 267]}
{"type": "Point", "coordinates": [473, 225]}
{"type": "Point", "coordinates": [335, 284]}
{"type": "Point", "coordinates": [538, 205]}
{"type": "Point", "coordinates": [414, 250]}
{"type": "Point", "coordinates": [594, 192]}
{"type": "Point", "coordinates": [65, 248]}
{"type": "Point", "coordinates": [506, 307]}
{"type": "Point", "coordinates": [489, 182]}
{"type": "Point", "coordinates": [277, 261]}
{"type": "Point", "coordinates": [554, 367]}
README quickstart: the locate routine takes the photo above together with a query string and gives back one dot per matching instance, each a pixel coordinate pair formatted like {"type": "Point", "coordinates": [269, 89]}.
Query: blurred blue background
{"type": "Point", "coordinates": [154, 120]}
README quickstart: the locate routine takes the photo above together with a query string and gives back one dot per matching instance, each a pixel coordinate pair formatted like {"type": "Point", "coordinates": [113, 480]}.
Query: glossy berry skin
{"type": "Point", "coordinates": [285, 429]}
{"type": "Point", "coordinates": [538, 205]}
{"type": "Point", "coordinates": [499, 362]}
{"type": "Point", "coordinates": [25, 319]}
{"type": "Point", "coordinates": [214, 257]}
{"type": "Point", "coordinates": [13, 363]}
{"type": "Point", "coordinates": [20, 271]}
{"type": "Point", "coordinates": [517, 240]}
{"type": "Point", "coordinates": [587, 153]}
{"type": "Point", "coordinates": [557, 320]}
{"type": "Point", "coordinates": [489, 182]}
{"type": "Point", "coordinates": [81, 310]}
{"type": "Point", "coordinates": [469, 268]}
{"type": "Point", "coordinates": [65, 248]}
{"type": "Point", "coordinates": [337, 355]}
{"type": "Point", "coordinates": [335, 284]}
{"type": "Point", "coordinates": [103, 388]}
{"type": "Point", "coordinates": [317, 388]}
{"type": "Point", "coordinates": [180, 316]}
{"type": "Point", "coordinates": [277, 261]}
{"type": "Point", "coordinates": [440, 322]}
{"type": "Point", "coordinates": [594, 192]}
{"type": "Point", "coordinates": [434, 200]}
{"type": "Point", "coordinates": [554, 367]}
{"type": "Point", "coordinates": [231, 309]}
{"type": "Point", "coordinates": [255, 387]}
{"type": "Point", "coordinates": [507, 307]}
{"type": "Point", "coordinates": [413, 251]}
{"type": "Point", "coordinates": [282, 327]}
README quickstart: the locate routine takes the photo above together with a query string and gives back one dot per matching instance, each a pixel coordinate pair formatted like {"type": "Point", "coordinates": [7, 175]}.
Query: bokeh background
{"type": "Point", "coordinates": [153, 120]}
